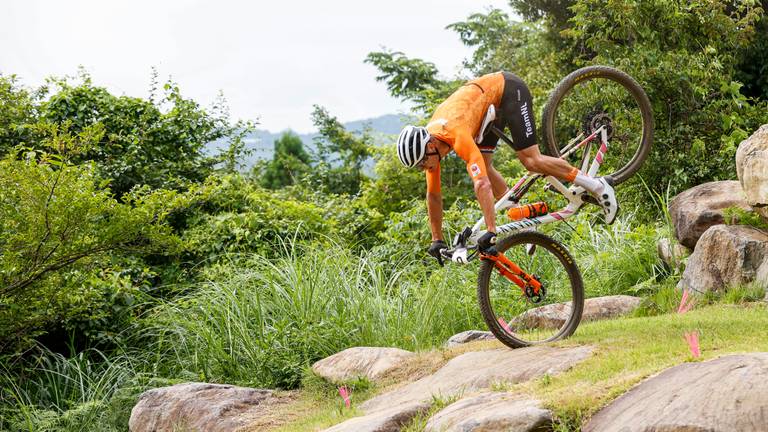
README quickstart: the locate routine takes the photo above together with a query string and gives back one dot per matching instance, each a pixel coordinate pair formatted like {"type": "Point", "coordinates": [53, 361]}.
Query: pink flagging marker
{"type": "Point", "coordinates": [686, 303]}
{"type": "Point", "coordinates": [345, 394]}
{"type": "Point", "coordinates": [504, 325]}
{"type": "Point", "coordinates": [693, 343]}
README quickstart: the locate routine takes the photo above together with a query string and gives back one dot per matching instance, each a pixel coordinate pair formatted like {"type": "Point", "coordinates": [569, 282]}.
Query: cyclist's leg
{"type": "Point", "coordinates": [517, 109]}
{"type": "Point", "coordinates": [498, 185]}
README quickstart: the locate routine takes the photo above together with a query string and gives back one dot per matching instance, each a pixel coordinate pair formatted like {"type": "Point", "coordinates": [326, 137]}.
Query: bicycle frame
{"type": "Point", "coordinates": [459, 253]}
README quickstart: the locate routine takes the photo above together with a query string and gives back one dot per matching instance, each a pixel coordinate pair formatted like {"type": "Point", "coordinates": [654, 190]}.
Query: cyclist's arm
{"type": "Point", "coordinates": [435, 203]}
{"type": "Point", "coordinates": [466, 148]}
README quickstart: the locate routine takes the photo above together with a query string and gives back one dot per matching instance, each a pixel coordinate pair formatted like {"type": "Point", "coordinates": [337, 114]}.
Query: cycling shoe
{"type": "Point", "coordinates": [607, 199]}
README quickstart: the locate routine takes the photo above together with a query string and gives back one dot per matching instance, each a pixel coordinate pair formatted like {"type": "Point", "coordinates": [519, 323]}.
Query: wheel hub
{"type": "Point", "coordinates": [595, 119]}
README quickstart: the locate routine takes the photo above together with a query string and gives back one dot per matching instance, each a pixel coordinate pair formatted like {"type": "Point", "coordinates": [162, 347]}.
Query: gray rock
{"type": "Point", "coordinates": [491, 412]}
{"type": "Point", "coordinates": [478, 370]}
{"type": "Point", "coordinates": [468, 336]}
{"type": "Point", "coordinates": [390, 419]}
{"type": "Point", "coordinates": [727, 256]}
{"type": "Point", "coordinates": [701, 207]}
{"type": "Point", "coordinates": [722, 395]}
{"type": "Point", "coordinates": [752, 169]}
{"type": "Point", "coordinates": [672, 253]}
{"type": "Point", "coordinates": [360, 362]}
{"type": "Point", "coordinates": [554, 315]}
{"type": "Point", "coordinates": [201, 407]}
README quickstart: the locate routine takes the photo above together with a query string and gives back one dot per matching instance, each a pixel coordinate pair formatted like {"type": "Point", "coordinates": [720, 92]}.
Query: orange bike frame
{"type": "Point", "coordinates": [512, 272]}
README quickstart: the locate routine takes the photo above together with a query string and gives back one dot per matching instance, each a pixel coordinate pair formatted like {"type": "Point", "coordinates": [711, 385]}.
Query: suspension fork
{"type": "Point", "coordinates": [513, 272]}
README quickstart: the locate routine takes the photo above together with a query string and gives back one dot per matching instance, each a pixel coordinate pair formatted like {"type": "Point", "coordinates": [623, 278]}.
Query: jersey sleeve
{"type": "Point", "coordinates": [465, 147]}
{"type": "Point", "coordinates": [433, 180]}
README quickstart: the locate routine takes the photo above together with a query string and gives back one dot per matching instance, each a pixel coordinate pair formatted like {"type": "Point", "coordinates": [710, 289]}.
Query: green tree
{"type": "Point", "coordinates": [56, 218]}
{"type": "Point", "coordinates": [159, 142]}
{"type": "Point", "coordinates": [289, 164]}
{"type": "Point", "coordinates": [17, 112]}
{"type": "Point", "coordinates": [340, 155]}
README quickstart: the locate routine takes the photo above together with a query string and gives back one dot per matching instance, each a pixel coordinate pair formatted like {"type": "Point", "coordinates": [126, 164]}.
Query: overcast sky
{"type": "Point", "coordinates": [272, 60]}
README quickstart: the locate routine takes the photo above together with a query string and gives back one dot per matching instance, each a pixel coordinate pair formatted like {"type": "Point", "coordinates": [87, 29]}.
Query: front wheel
{"type": "Point", "coordinates": [518, 319]}
{"type": "Point", "coordinates": [597, 96]}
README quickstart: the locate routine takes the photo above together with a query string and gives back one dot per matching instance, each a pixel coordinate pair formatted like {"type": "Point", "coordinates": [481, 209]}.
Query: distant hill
{"type": "Point", "coordinates": [262, 141]}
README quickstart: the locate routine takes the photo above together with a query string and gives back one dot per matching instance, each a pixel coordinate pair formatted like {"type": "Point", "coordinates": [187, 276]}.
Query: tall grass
{"type": "Point", "coordinates": [261, 321]}
{"type": "Point", "coordinates": [617, 259]}
{"type": "Point", "coordinates": [57, 393]}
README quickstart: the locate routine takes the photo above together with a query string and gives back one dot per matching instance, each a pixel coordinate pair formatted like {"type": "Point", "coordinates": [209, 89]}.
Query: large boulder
{"type": "Point", "coordinates": [202, 407]}
{"type": "Point", "coordinates": [727, 256]}
{"type": "Point", "coordinates": [672, 253]}
{"type": "Point", "coordinates": [360, 362]}
{"type": "Point", "coordinates": [752, 169]}
{"type": "Point", "coordinates": [491, 412]}
{"type": "Point", "coordinates": [554, 315]}
{"type": "Point", "coordinates": [722, 395]}
{"type": "Point", "coordinates": [478, 370]}
{"type": "Point", "coordinates": [469, 336]}
{"type": "Point", "coordinates": [701, 207]}
{"type": "Point", "coordinates": [391, 419]}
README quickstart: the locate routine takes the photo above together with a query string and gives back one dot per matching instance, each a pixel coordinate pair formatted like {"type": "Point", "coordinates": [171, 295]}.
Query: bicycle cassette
{"type": "Point", "coordinates": [593, 120]}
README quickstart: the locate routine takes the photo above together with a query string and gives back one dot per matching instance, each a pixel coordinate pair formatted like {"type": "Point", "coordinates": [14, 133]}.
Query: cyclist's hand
{"type": "Point", "coordinates": [487, 244]}
{"type": "Point", "coordinates": [435, 248]}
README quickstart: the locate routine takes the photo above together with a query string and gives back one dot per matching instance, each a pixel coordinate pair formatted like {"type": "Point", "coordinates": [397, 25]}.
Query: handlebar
{"type": "Point", "coordinates": [460, 253]}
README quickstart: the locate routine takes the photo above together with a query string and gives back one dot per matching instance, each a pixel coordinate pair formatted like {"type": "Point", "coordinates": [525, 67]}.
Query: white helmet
{"type": "Point", "coordinates": [412, 145]}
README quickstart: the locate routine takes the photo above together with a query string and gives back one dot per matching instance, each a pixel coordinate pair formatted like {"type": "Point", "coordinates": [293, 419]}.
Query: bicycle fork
{"type": "Point", "coordinates": [515, 274]}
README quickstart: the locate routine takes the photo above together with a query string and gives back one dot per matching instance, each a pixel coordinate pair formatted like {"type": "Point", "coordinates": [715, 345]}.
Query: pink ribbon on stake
{"type": "Point", "coordinates": [693, 343]}
{"type": "Point", "coordinates": [686, 303]}
{"type": "Point", "coordinates": [345, 393]}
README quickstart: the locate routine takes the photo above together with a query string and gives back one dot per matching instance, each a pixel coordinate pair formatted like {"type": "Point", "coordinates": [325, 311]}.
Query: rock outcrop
{"type": "Point", "coordinates": [672, 253]}
{"type": "Point", "coordinates": [478, 370]}
{"type": "Point", "coordinates": [468, 336]}
{"type": "Point", "coordinates": [201, 407]}
{"type": "Point", "coordinates": [491, 412]}
{"type": "Point", "coordinates": [721, 395]}
{"type": "Point", "coordinates": [727, 256]}
{"type": "Point", "coordinates": [701, 207]}
{"type": "Point", "coordinates": [360, 362]}
{"type": "Point", "coordinates": [554, 315]}
{"type": "Point", "coordinates": [752, 169]}
{"type": "Point", "coordinates": [386, 420]}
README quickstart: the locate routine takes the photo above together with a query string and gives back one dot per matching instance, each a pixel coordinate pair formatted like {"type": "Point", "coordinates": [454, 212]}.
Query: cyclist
{"type": "Point", "coordinates": [456, 125]}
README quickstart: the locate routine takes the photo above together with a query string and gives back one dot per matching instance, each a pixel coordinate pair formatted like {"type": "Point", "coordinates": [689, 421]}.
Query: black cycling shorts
{"type": "Point", "coordinates": [515, 113]}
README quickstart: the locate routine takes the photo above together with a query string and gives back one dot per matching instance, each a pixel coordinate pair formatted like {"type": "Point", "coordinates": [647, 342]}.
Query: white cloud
{"type": "Point", "coordinates": [272, 60]}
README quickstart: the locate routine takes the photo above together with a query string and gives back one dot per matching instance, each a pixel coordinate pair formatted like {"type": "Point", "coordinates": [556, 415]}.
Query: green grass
{"type": "Point", "coordinates": [631, 349]}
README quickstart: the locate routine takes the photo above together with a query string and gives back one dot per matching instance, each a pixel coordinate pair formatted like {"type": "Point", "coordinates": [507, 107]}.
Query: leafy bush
{"type": "Point", "coordinates": [55, 218]}
{"type": "Point", "coordinates": [157, 142]}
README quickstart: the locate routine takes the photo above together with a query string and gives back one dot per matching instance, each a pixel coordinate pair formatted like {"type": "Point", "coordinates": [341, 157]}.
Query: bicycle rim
{"type": "Point", "coordinates": [514, 318]}
{"type": "Point", "coordinates": [592, 97]}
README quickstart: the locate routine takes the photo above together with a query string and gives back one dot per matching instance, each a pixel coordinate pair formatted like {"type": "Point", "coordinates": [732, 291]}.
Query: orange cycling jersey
{"type": "Point", "coordinates": [458, 119]}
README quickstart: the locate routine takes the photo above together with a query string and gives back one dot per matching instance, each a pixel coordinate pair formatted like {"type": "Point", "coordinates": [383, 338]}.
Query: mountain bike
{"type": "Point", "coordinates": [532, 292]}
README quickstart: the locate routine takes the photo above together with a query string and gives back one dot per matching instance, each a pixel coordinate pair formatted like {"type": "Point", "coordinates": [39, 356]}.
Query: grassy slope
{"type": "Point", "coordinates": [627, 351]}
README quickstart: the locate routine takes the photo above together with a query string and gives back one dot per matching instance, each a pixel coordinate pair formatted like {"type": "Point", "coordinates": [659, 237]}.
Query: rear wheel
{"type": "Point", "coordinates": [597, 96]}
{"type": "Point", "coordinates": [518, 319]}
